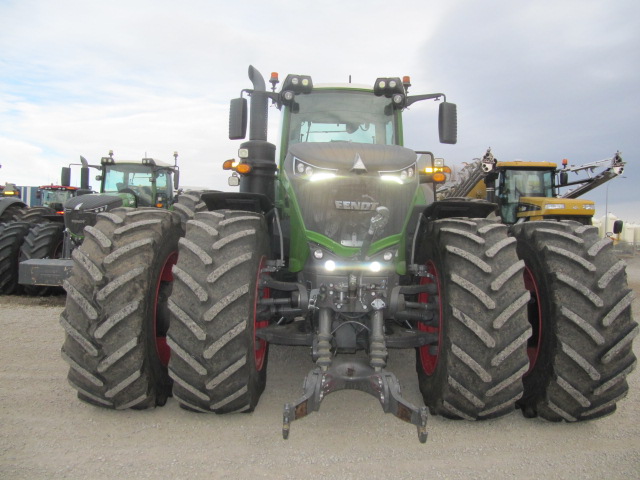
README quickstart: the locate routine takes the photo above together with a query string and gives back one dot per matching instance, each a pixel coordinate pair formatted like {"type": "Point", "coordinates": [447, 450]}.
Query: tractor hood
{"type": "Point", "coordinates": [82, 211]}
{"type": "Point", "coordinates": [339, 185]}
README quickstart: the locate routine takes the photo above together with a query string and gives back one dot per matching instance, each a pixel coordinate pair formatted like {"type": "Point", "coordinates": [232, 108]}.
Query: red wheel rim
{"type": "Point", "coordinates": [259, 345]}
{"type": "Point", "coordinates": [535, 318]}
{"type": "Point", "coordinates": [166, 276]}
{"type": "Point", "coordinates": [429, 360]}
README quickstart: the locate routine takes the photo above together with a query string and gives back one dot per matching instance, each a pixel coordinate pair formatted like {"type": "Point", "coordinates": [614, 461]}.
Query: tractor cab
{"type": "Point", "coordinates": [55, 196]}
{"type": "Point", "coordinates": [522, 179]}
{"type": "Point", "coordinates": [528, 191]}
{"type": "Point", "coordinates": [148, 183]}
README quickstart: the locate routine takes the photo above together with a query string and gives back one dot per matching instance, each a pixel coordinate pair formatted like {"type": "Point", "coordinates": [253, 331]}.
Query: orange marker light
{"type": "Point", "coordinates": [228, 164]}
{"type": "Point", "coordinates": [243, 168]}
{"type": "Point", "coordinates": [439, 177]}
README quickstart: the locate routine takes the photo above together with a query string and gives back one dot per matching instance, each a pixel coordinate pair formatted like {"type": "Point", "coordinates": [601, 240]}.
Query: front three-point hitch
{"type": "Point", "coordinates": [350, 375]}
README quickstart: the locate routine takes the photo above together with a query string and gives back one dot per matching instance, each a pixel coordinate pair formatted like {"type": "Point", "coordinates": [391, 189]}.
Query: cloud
{"type": "Point", "coordinates": [538, 81]}
{"type": "Point", "coordinates": [543, 81]}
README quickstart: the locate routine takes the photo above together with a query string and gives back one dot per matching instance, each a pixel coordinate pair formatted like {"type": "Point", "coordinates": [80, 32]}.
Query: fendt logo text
{"type": "Point", "coordinates": [348, 205]}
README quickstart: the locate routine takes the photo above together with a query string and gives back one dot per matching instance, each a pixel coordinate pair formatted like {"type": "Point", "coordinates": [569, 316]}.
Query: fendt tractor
{"type": "Point", "coordinates": [135, 184]}
{"type": "Point", "coordinates": [340, 246]}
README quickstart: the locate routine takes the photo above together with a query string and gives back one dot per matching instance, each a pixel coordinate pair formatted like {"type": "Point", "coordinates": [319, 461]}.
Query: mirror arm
{"type": "Point", "coordinates": [418, 98]}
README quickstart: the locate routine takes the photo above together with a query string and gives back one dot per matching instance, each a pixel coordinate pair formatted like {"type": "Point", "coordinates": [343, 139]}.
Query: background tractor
{"type": "Point", "coordinates": [340, 246]}
{"type": "Point", "coordinates": [32, 232]}
{"type": "Point", "coordinates": [531, 190]}
{"type": "Point", "coordinates": [148, 183]}
{"type": "Point", "coordinates": [11, 206]}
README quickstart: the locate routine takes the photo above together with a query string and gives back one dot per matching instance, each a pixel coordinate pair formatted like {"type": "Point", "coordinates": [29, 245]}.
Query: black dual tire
{"type": "Point", "coordinates": [35, 215]}
{"type": "Point", "coordinates": [475, 372]}
{"type": "Point", "coordinates": [12, 213]}
{"type": "Point", "coordinates": [116, 317]}
{"type": "Point", "coordinates": [12, 235]}
{"type": "Point", "coordinates": [581, 347]}
{"type": "Point", "coordinates": [187, 204]}
{"type": "Point", "coordinates": [217, 363]}
{"type": "Point", "coordinates": [44, 240]}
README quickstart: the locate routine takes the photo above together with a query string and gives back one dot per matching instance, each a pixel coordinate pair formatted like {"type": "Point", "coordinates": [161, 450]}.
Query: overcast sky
{"type": "Point", "coordinates": [538, 80]}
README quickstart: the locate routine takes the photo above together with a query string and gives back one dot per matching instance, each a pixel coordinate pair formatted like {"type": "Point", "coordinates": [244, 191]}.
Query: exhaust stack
{"type": "Point", "coordinates": [261, 154]}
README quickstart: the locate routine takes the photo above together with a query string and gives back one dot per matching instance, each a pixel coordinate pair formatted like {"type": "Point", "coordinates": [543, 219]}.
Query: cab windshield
{"type": "Point", "coordinates": [119, 177]}
{"type": "Point", "coordinates": [55, 198]}
{"type": "Point", "coordinates": [358, 117]}
{"type": "Point", "coordinates": [141, 180]}
{"type": "Point", "coordinates": [527, 183]}
{"type": "Point", "coordinates": [518, 183]}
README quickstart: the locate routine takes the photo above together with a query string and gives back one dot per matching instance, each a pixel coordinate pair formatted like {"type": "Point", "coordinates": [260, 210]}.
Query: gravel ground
{"type": "Point", "coordinates": [45, 432]}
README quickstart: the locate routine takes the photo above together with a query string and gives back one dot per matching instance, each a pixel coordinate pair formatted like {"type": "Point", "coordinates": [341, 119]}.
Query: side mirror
{"type": "Point", "coordinates": [65, 177]}
{"type": "Point", "coordinates": [176, 179]}
{"type": "Point", "coordinates": [448, 123]}
{"type": "Point", "coordinates": [84, 177]}
{"type": "Point", "coordinates": [564, 178]}
{"type": "Point", "coordinates": [617, 226]}
{"type": "Point", "coordinates": [238, 119]}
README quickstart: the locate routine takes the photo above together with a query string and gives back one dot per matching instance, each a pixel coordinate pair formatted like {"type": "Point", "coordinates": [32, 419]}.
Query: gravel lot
{"type": "Point", "coordinates": [45, 432]}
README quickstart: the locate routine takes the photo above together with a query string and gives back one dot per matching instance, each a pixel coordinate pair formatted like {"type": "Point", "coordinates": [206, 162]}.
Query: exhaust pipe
{"type": "Point", "coordinates": [262, 154]}
{"type": "Point", "coordinates": [259, 106]}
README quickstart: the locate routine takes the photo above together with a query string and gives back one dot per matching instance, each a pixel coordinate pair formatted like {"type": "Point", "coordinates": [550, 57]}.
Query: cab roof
{"type": "Point", "coordinates": [525, 164]}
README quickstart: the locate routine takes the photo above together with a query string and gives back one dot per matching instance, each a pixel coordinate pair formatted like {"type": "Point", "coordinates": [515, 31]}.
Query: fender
{"type": "Point", "coordinates": [7, 201]}
{"type": "Point", "coordinates": [252, 202]}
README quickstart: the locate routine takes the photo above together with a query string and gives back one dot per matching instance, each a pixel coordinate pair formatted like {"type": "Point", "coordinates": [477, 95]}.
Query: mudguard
{"type": "Point", "coordinates": [8, 201]}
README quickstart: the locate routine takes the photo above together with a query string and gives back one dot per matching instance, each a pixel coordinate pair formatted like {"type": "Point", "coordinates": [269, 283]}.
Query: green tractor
{"type": "Point", "coordinates": [338, 246]}
{"type": "Point", "coordinates": [145, 184]}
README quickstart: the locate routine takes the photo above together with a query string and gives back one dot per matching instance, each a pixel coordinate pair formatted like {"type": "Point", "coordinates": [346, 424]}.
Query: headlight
{"type": "Point", "coordinates": [404, 175]}
{"type": "Point", "coordinates": [100, 209]}
{"type": "Point", "coordinates": [311, 172]}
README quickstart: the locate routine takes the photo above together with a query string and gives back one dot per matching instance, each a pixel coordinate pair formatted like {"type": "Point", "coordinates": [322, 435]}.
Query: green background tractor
{"type": "Point", "coordinates": [146, 183]}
